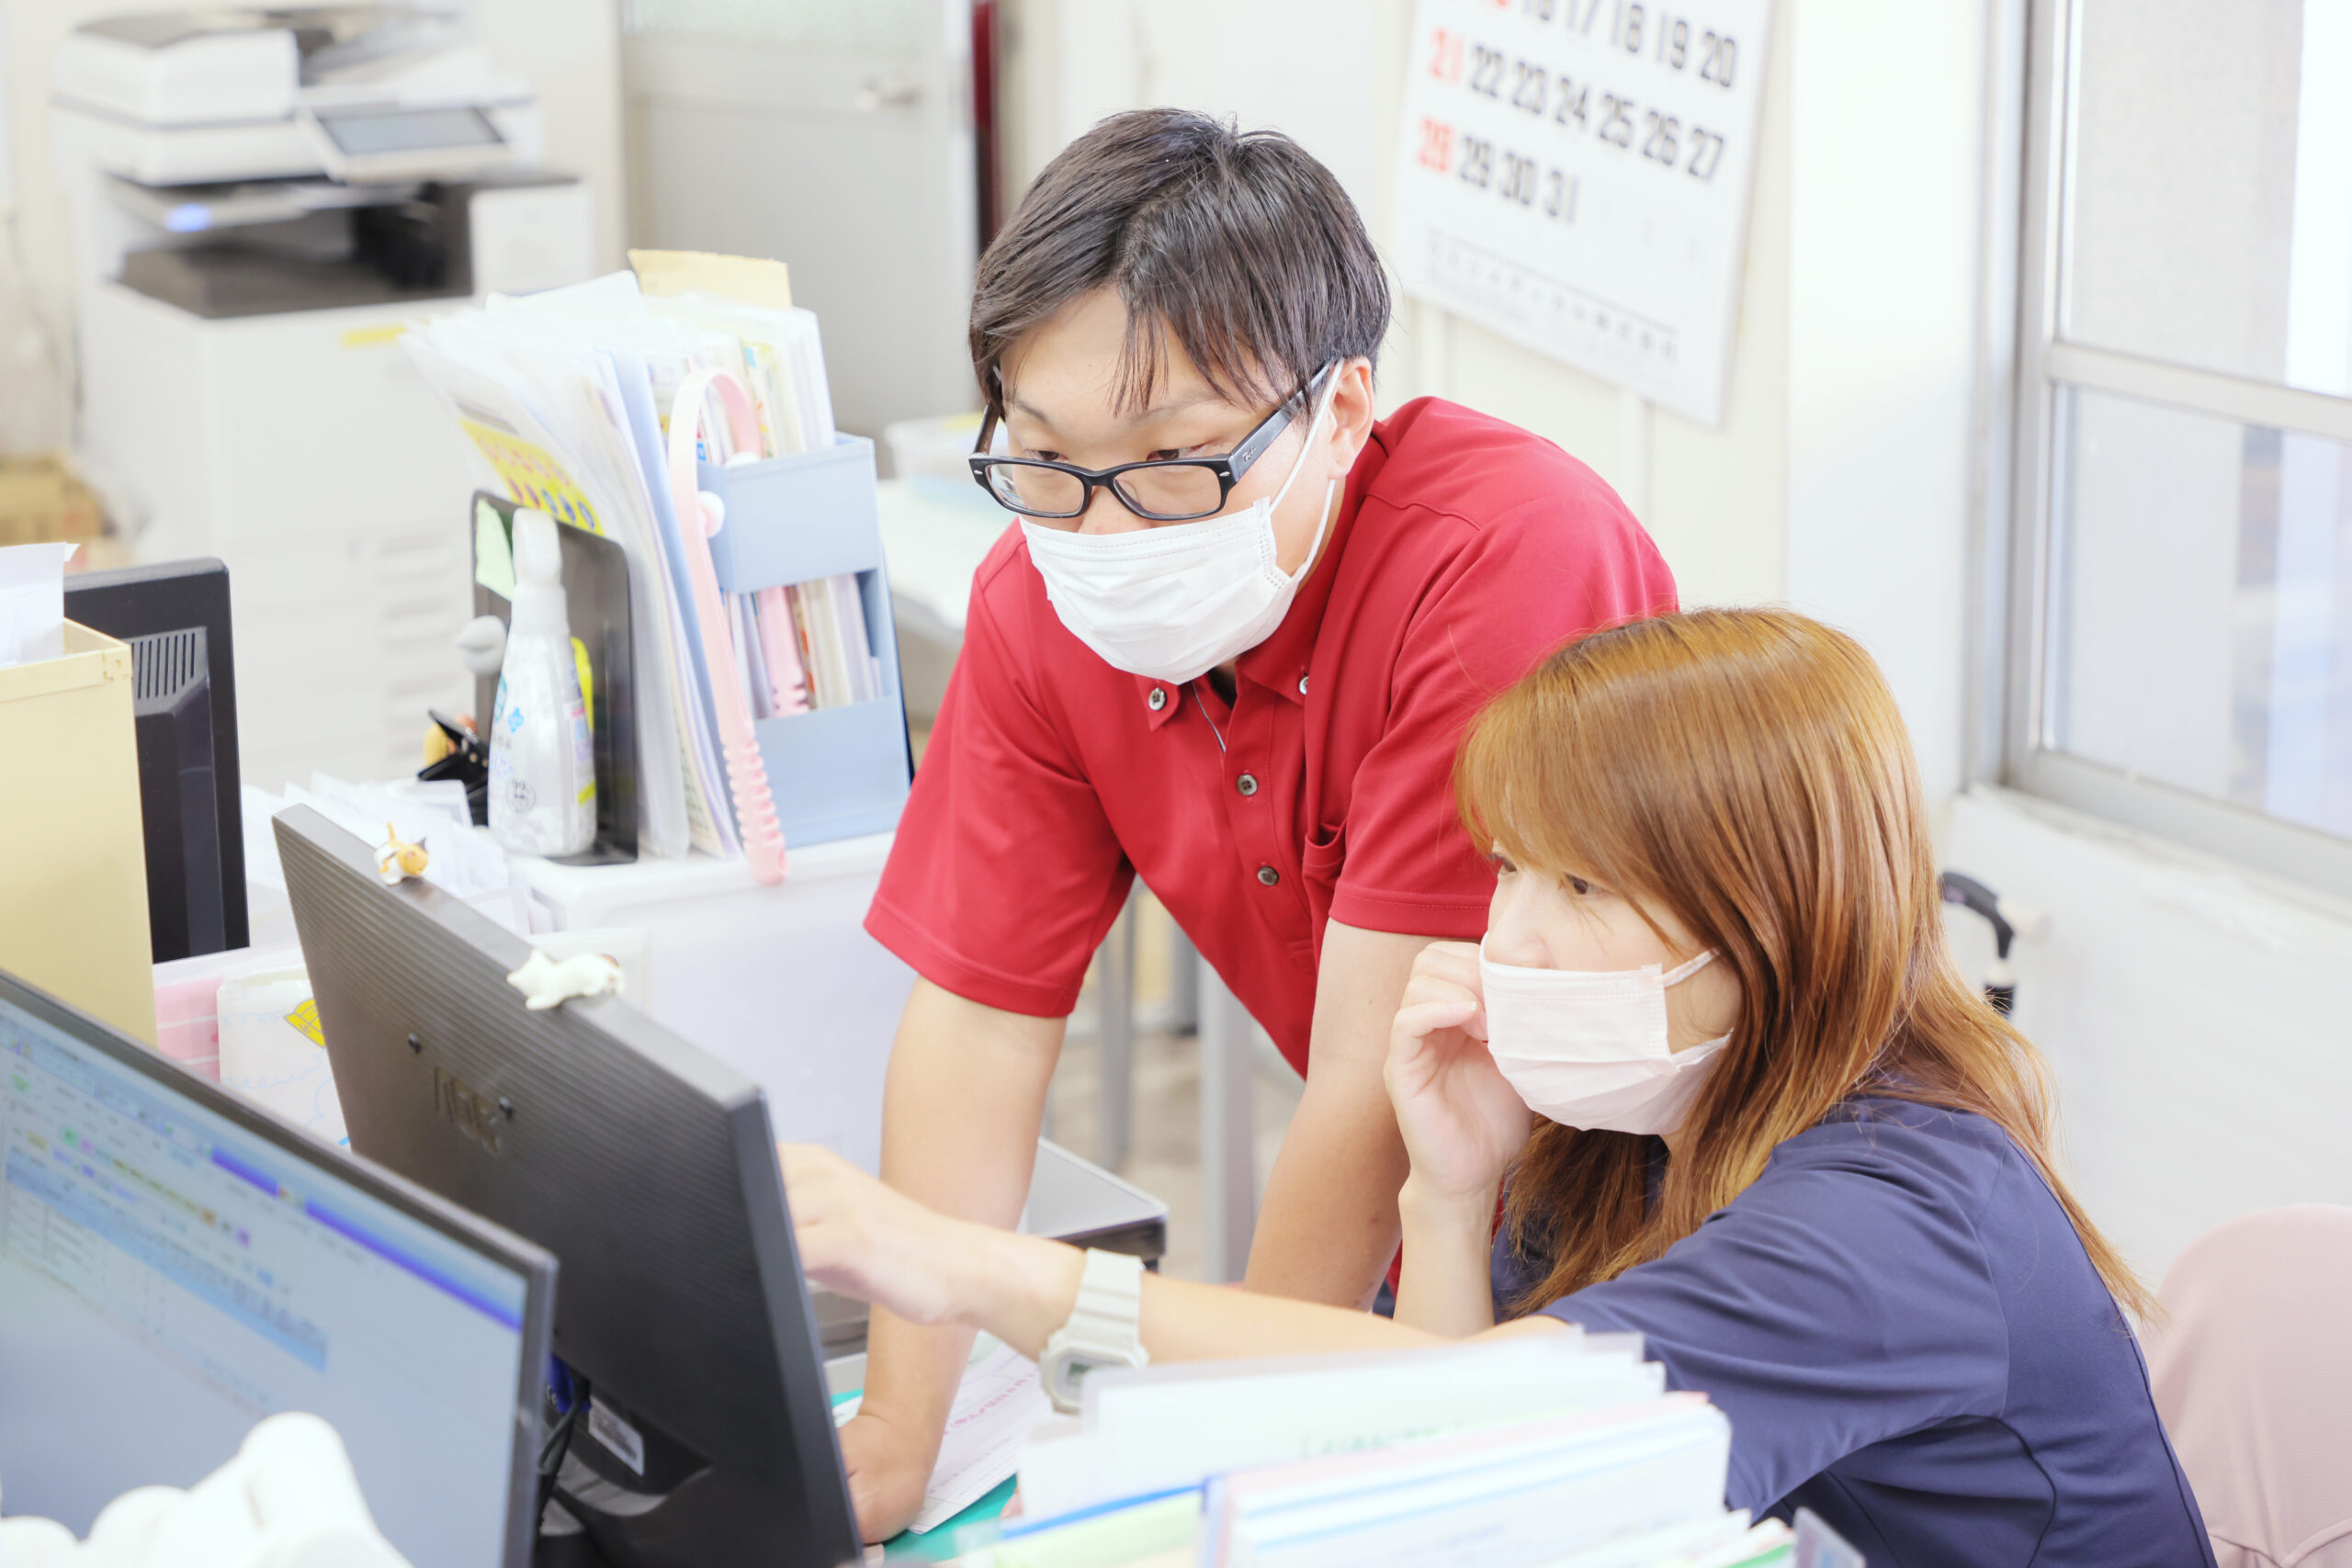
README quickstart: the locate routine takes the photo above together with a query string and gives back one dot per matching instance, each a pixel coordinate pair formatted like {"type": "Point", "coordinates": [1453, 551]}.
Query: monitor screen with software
{"type": "Point", "coordinates": [176, 1265]}
{"type": "Point", "coordinates": [643, 1163]}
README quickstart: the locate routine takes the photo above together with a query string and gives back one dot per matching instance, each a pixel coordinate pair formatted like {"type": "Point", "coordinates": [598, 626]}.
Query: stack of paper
{"type": "Point", "coordinates": [1560, 1450]}
{"type": "Point", "coordinates": [566, 396]}
{"type": "Point", "coordinates": [997, 1405]}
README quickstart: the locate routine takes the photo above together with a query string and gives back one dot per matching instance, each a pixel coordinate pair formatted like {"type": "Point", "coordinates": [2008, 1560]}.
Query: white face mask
{"type": "Point", "coordinates": [1174, 602]}
{"type": "Point", "coordinates": [1590, 1049]}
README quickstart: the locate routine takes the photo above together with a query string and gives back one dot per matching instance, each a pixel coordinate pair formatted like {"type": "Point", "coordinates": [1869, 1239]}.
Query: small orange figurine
{"type": "Point", "coordinates": [396, 860]}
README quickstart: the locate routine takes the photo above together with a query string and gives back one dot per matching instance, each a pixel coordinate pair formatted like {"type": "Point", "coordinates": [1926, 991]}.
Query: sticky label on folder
{"type": "Point", "coordinates": [532, 477]}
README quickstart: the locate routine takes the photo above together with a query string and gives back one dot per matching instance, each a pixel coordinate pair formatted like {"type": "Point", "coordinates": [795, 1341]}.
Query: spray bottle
{"type": "Point", "coordinates": [542, 764]}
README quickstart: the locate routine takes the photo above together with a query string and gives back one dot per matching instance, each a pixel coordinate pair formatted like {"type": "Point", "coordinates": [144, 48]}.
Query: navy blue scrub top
{"type": "Point", "coordinates": [1909, 1340]}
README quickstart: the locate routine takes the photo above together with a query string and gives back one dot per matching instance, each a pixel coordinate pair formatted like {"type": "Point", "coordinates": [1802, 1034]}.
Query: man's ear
{"type": "Point", "coordinates": [1351, 413]}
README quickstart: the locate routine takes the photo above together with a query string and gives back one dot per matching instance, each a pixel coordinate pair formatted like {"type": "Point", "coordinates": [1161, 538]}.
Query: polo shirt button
{"type": "Point", "coordinates": [1247, 783]}
{"type": "Point", "coordinates": [1269, 875]}
{"type": "Point", "coordinates": [1302, 685]}
{"type": "Point", "coordinates": [1158, 698]}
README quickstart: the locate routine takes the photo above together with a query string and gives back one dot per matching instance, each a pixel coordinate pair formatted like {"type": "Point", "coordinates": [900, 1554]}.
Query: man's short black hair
{"type": "Point", "coordinates": [1240, 246]}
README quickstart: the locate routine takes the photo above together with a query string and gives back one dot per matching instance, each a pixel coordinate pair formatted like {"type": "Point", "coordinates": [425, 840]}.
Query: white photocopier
{"type": "Point", "coordinates": [263, 198]}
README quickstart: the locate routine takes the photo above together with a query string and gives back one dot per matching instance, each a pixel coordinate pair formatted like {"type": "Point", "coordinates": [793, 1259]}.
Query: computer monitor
{"type": "Point", "coordinates": [176, 1265]}
{"type": "Point", "coordinates": [176, 618]}
{"type": "Point", "coordinates": [647, 1166]}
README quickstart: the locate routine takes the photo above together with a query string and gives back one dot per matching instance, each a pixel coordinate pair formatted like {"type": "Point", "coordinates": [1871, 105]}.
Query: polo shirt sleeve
{"type": "Point", "coordinates": [1005, 874]}
{"type": "Point", "coordinates": [1842, 1300]}
{"type": "Point", "coordinates": [1529, 580]}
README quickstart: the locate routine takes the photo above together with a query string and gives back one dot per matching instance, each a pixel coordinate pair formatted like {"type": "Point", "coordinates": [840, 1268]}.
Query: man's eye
{"type": "Point", "coordinates": [1578, 886]}
{"type": "Point", "coordinates": [1047, 456]}
{"type": "Point", "coordinates": [1501, 865]}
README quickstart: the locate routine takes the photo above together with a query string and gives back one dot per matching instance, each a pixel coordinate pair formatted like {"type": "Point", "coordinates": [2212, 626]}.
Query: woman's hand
{"type": "Point", "coordinates": [860, 1238]}
{"type": "Point", "coordinates": [1463, 1121]}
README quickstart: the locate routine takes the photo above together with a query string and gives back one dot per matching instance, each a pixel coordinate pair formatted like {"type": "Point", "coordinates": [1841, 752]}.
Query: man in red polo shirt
{"type": "Point", "coordinates": [1229, 648]}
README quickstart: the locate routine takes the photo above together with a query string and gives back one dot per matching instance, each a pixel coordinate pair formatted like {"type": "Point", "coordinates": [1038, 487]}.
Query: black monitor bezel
{"type": "Point", "coordinates": [501, 1246]}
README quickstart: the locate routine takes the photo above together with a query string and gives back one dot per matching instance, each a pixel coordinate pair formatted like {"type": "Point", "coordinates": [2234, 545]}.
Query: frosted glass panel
{"type": "Point", "coordinates": [2201, 605]}
{"type": "Point", "coordinates": [2209, 165]}
{"type": "Point", "coordinates": [834, 27]}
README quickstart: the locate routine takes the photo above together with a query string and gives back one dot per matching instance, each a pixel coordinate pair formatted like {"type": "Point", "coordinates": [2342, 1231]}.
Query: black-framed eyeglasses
{"type": "Point", "coordinates": [1165, 489]}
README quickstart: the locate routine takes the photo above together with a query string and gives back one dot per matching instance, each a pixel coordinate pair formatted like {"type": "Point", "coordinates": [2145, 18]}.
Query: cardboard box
{"type": "Point", "coordinates": [72, 855]}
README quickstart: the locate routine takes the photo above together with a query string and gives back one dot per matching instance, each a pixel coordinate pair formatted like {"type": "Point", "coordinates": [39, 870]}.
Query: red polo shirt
{"type": "Point", "coordinates": [1464, 550]}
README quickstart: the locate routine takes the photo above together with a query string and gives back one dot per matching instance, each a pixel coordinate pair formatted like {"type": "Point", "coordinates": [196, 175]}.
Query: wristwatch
{"type": "Point", "coordinates": [1103, 1329]}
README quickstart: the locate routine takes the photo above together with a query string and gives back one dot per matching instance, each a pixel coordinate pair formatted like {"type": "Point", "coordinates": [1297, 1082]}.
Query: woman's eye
{"type": "Point", "coordinates": [1578, 886]}
{"type": "Point", "coordinates": [1502, 866]}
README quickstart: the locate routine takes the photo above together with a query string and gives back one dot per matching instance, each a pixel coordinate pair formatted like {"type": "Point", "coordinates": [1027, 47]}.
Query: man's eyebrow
{"type": "Point", "coordinates": [1178, 404]}
{"type": "Point", "coordinates": [1032, 411]}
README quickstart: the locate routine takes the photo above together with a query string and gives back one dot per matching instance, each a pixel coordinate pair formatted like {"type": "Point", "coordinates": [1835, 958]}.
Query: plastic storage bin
{"type": "Point", "coordinates": [835, 772]}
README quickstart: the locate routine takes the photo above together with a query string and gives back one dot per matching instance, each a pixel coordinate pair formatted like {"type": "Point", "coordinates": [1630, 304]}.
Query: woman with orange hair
{"type": "Point", "coordinates": [1735, 1096]}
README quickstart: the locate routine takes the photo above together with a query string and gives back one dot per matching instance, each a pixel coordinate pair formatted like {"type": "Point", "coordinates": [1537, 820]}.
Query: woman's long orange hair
{"type": "Point", "coordinates": [1746, 771]}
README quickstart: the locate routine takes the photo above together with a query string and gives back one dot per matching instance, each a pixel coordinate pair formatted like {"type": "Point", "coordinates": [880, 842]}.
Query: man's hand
{"type": "Point", "coordinates": [859, 1239]}
{"type": "Point", "coordinates": [960, 1109]}
{"type": "Point", "coordinates": [889, 1468]}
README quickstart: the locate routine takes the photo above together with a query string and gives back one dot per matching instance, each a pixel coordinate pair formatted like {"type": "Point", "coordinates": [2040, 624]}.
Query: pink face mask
{"type": "Point", "coordinates": [1590, 1048]}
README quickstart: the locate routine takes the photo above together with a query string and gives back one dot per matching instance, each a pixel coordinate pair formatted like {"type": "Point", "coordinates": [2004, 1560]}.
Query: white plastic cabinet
{"type": "Point", "coordinates": [780, 983]}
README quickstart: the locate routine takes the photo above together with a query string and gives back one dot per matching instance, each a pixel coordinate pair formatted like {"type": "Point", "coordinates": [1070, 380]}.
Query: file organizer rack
{"type": "Point", "coordinates": [835, 772]}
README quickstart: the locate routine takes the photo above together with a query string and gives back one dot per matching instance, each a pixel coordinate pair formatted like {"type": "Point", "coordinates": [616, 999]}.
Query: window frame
{"type": "Point", "coordinates": [2015, 683]}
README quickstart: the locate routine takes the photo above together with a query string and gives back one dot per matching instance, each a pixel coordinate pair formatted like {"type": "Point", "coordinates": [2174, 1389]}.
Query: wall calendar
{"type": "Point", "coordinates": [1576, 176]}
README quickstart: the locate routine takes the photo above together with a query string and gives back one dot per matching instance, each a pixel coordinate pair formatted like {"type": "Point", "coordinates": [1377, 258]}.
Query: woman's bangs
{"type": "Point", "coordinates": [1533, 781]}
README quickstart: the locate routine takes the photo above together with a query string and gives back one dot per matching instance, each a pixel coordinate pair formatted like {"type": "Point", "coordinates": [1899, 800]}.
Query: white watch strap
{"type": "Point", "coordinates": [1109, 1310]}
{"type": "Point", "coordinates": [1104, 1327]}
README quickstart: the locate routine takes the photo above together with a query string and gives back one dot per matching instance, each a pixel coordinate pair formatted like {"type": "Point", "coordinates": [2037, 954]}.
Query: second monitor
{"type": "Point", "coordinates": [176, 1265]}
{"type": "Point", "coordinates": [644, 1165]}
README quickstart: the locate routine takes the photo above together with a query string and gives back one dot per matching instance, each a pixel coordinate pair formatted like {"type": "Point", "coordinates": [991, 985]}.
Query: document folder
{"type": "Point", "coordinates": [73, 893]}
{"type": "Point", "coordinates": [835, 772]}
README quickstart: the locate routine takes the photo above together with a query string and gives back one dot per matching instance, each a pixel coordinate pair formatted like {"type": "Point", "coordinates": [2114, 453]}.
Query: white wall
{"type": "Point", "coordinates": [571, 51]}
{"type": "Point", "coordinates": [2196, 1016]}
{"type": "Point", "coordinates": [1883, 284]}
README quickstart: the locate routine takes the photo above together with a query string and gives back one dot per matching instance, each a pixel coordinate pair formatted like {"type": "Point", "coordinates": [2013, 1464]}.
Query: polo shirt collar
{"type": "Point", "coordinates": [1280, 663]}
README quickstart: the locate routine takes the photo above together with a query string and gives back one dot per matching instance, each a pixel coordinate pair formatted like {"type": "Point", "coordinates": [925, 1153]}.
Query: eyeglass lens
{"type": "Point", "coordinates": [1164, 490]}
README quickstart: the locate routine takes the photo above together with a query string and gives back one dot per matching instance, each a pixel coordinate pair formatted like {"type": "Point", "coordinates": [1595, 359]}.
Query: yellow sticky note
{"type": "Point", "coordinates": [306, 1019]}
{"type": "Point", "coordinates": [754, 280]}
{"type": "Point", "coordinates": [532, 477]}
